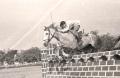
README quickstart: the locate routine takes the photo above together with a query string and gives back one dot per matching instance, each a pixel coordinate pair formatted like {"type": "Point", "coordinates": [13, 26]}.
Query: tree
{"type": "Point", "coordinates": [9, 57]}
{"type": "Point", "coordinates": [2, 57]}
{"type": "Point", "coordinates": [108, 42]}
{"type": "Point", "coordinates": [31, 55]}
{"type": "Point", "coordinates": [19, 58]}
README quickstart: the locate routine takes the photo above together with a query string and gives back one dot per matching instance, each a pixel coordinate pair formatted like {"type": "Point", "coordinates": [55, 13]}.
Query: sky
{"type": "Point", "coordinates": [22, 21]}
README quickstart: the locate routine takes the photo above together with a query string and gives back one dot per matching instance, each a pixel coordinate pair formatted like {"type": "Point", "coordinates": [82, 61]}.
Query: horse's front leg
{"type": "Point", "coordinates": [58, 53]}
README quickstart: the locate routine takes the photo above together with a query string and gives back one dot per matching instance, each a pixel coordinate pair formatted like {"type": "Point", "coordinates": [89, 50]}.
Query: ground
{"type": "Point", "coordinates": [22, 72]}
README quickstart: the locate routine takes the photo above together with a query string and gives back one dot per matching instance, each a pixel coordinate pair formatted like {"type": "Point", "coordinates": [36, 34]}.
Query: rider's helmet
{"type": "Point", "coordinates": [62, 24]}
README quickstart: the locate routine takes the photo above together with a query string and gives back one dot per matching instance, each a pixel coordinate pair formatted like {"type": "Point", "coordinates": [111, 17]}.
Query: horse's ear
{"type": "Point", "coordinates": [45, 27]}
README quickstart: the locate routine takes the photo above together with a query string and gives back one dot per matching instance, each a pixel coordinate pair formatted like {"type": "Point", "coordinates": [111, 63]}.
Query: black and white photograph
{"type": "Point", "coordinates": [59, 38]}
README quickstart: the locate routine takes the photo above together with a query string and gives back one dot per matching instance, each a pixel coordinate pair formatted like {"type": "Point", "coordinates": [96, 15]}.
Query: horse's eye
{"type": "Point", "coordinates": [46, 33]}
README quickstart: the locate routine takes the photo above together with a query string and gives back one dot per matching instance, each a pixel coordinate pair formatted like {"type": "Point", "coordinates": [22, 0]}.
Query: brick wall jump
{"type": "Point", "coordinates": [95, 65]}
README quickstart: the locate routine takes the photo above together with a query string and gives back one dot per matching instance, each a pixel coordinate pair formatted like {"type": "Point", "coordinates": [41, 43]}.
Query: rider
{"type": "Point", "coordinates": [63, 27]}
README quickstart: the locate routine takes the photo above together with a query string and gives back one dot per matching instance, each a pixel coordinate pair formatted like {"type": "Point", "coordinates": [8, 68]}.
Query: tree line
{"type": "Point", "coordinates": [30, 55]}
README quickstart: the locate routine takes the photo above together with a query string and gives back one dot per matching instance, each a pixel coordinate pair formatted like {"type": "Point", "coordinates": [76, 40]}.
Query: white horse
{"type": "Point", "coordinates": [68, 40]}
{"type": "Point", "coordinates": [51, 35]}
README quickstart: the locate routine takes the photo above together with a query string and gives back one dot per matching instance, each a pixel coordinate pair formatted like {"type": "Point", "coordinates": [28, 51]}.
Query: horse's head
{"type": "Point", "coordinates": [49, 33]}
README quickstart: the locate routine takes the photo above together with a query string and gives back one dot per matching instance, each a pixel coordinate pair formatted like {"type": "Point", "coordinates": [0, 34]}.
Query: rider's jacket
{"type": "Point", "coordinates": [63, 30]}
{"type": "Point", "coordinates": [69, 25]}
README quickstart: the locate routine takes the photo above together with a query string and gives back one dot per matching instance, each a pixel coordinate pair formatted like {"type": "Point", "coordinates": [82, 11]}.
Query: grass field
{"type": "Point", "coordinates": [21, 72]}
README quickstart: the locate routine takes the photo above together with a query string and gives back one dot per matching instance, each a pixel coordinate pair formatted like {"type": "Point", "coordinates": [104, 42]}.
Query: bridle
{"type": "Point", "coordinates": [53, 36]}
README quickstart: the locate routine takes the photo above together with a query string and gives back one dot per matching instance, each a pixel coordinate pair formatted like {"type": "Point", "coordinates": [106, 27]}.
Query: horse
{"type": "Point", "coordinates": [52, 36]}
{"type": "Point", "coordinates": [68, 40]}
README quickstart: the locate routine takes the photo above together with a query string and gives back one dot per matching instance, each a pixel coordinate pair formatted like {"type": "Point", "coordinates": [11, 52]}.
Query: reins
{"type": "Point", "coordinates": [53, 36]}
